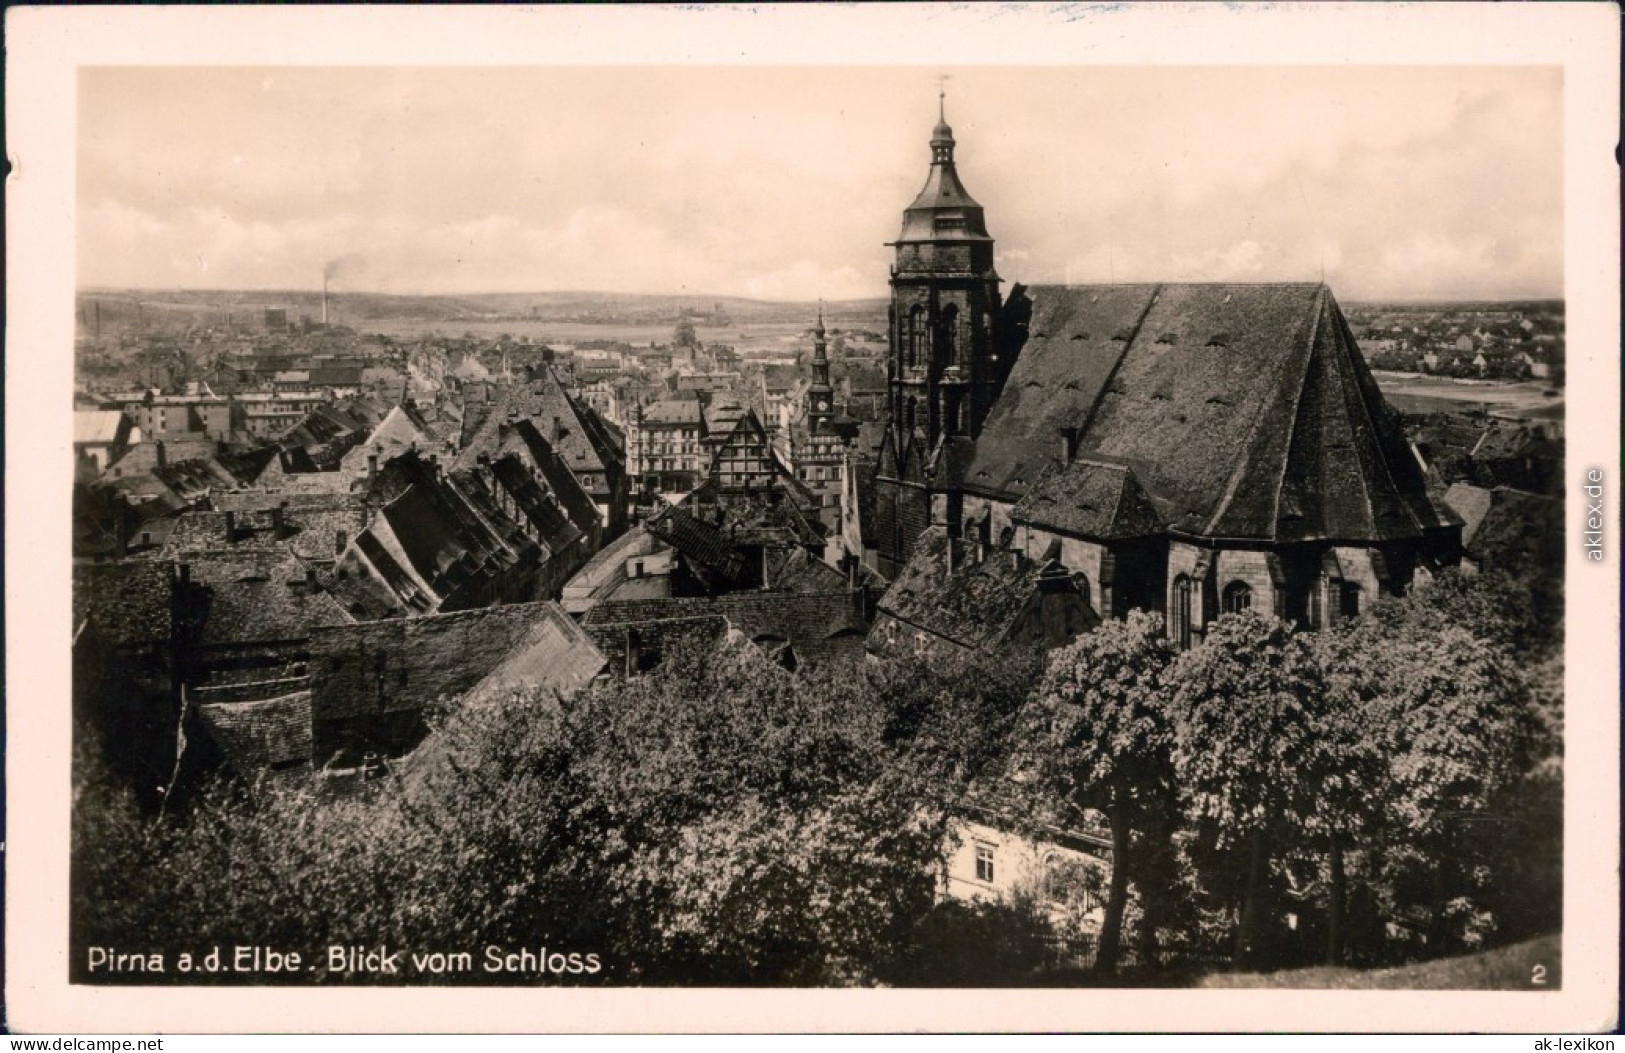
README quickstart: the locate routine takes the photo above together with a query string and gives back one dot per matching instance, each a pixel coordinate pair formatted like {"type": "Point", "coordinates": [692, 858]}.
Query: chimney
{"type": "Point", "coordinates": [163, 454]}
{"type": "Point", "coordinates": [311, 585]}
{"type": "Point", "coordinates": [341, 541]}
{"type": "Point", "coordinates": [558, 429]}
{"type": "Point", "coordinates": [278, 523]}
{"type": "Point", "coordinates": [951, 554]}
{"type": "Point", "coordinates": [324, 299]}
{"type": "Point", "coordinates": [1069, 445]}
{"type": "Point", "coordinates": [372, 467]}
{"type": "Point", "coordinates": [231, 528]}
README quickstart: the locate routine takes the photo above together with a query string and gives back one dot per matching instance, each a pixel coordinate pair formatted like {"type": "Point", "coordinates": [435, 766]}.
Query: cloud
{"type": "Point", "coordinates": [785, 182]}
{"type": "Point", "coordinates": [804, 277]}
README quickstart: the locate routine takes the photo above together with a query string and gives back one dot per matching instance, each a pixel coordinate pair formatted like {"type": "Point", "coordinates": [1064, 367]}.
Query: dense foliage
{"type": "Point", "coordinates": [1388, 790]}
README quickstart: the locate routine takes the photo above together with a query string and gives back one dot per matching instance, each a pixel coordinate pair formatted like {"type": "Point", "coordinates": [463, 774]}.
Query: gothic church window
{"type": "Point", "coordinates": [918, 345]}
{"type": "Point", "coordinates": [1179, 615]}
{"type": "Point", "coordinates": [1238, 596]}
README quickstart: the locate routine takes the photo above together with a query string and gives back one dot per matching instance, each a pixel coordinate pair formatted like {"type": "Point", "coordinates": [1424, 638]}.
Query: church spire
{"type": "Point", "coordinates": [820, 394]}
{"type": "Point", "coordinates": [943, 210]}
{"type": "Point", "coordinates": [942, 136]}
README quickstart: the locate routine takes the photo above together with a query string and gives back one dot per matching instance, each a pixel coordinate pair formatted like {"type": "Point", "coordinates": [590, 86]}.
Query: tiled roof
{"type": "Point", "coordinates": [194, 479]}
{"type": "Point", "coordinates": [1089, 499]}
{"type": "Point", "coordinates": [127, 603]}
{"type": "Point", "coordinates": [555, 657]}
{"type": "Point", "coordinates": [1470, 502]}
{"type": "Point", "coordinates": [310, 528]}
{"type": "Point", "coordinates": [699, 541]}
{"type": "Point", "coordinates": [255, 597]}
{"type": "Point", "coordinates": [524, 439]}
{"type": "Point", "coordinates": [821, 626]}
{"type": "Point", "coordinates": [973, 607]}
{"type": "Point", "coordinates": [571, 429]}
{"type": "Point", "coordinates": [431, 535]}
{"type": "Point", "coordinates": [674, 411]}
{"type": "Point", "coordinates": [1243, 410]}
{"type": "Point", "coordinates": [143, 456]}
{"type": "Point", "coordinates": [267, 734]}
{"type": "Point", "coordinates": [297, 503]}
{"type": "Point", "coordinates": [802, 573]}
{"type": "Point", "coordinates": [1519, 532]}
{"type": "Point", "coordinates": [553, 525]}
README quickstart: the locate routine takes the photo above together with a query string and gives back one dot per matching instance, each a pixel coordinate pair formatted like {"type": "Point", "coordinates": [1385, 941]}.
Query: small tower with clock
{"type": "Point", "coordinates": [821, 395]}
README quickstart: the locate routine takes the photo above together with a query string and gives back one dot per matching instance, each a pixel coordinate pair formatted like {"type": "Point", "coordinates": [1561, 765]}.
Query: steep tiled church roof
{"type": "Point", "coordinates": [1242, 411]}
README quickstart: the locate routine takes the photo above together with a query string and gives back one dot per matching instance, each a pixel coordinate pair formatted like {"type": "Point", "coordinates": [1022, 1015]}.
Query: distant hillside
{"type": "Point", "coordinates": [371, 306]}
{"type": "Point", "coordinates": [1524, 306]}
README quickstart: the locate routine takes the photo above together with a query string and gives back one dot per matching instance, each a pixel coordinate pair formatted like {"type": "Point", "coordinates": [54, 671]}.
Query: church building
{"type": "Point", "coordinates": [1069, 453]}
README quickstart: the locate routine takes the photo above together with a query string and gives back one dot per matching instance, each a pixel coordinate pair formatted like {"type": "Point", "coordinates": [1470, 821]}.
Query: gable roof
{"type": "Point", "coordinates": [523, 439]}
{"type": "Point", "coordinates": [573, 430]}
{"type": "Point", "coordinates": [1089, 499]}
{"type": "Point", "coordinates": [536, 503]}
{"type": "Point", "coordinates": [1242, 411]}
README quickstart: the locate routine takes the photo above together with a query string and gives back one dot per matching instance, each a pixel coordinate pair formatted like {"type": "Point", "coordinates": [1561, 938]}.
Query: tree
{"type": "Point", "coordinates": [954, 717]}
{"type": "Point", "coordinates": [683, 335]}
{"type": "Point", "coordinates": [715, 821]}
{"type": "Point", "coordinates": [1344, 770]}
{"type": "Point", "coordinates": [769, 835]}
{"type": "Point", "coordinates": [1454, 715]}
{"type": "Point", "coordinates": [1105, 741]}
{"type": "Point", "coordinates": [1244, 727]}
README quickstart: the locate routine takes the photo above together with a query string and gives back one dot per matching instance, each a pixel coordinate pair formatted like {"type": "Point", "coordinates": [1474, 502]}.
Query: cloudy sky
{"type": "Point", "coordinates": [784, 182]}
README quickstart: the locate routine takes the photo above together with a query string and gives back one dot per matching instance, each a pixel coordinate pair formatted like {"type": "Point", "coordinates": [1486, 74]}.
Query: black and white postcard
{"type": "Point", "coordinates": [1055, 517]}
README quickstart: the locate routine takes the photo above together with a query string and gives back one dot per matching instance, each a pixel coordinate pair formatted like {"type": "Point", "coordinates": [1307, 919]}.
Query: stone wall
{"type": "Point", "coordinates": [383, 674]}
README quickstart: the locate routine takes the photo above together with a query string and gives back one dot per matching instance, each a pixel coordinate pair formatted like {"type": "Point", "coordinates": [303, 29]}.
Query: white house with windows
{"type": "Point", "coordinates": [1064, 871]}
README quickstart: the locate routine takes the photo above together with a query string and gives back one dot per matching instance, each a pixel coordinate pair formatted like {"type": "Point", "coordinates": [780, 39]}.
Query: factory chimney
{"type": "Point", "coordinates": [324, 299]}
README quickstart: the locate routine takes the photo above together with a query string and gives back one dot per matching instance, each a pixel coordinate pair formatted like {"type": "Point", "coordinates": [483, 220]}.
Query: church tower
{"type": "Point", "coordinates": [944, 370]}
{"type": "Point", "coordinates": [945, 296]}
{"type": "Point", "coordinates": [821, 395]}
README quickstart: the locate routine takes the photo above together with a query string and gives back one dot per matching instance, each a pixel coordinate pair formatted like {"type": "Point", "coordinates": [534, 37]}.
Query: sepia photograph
{"type": "Point", "coordinates": [622, 520]}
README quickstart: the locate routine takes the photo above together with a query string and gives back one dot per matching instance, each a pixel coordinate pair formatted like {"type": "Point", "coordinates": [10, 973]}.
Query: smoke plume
{"type": "Point", "coordinates": [343, 267]}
